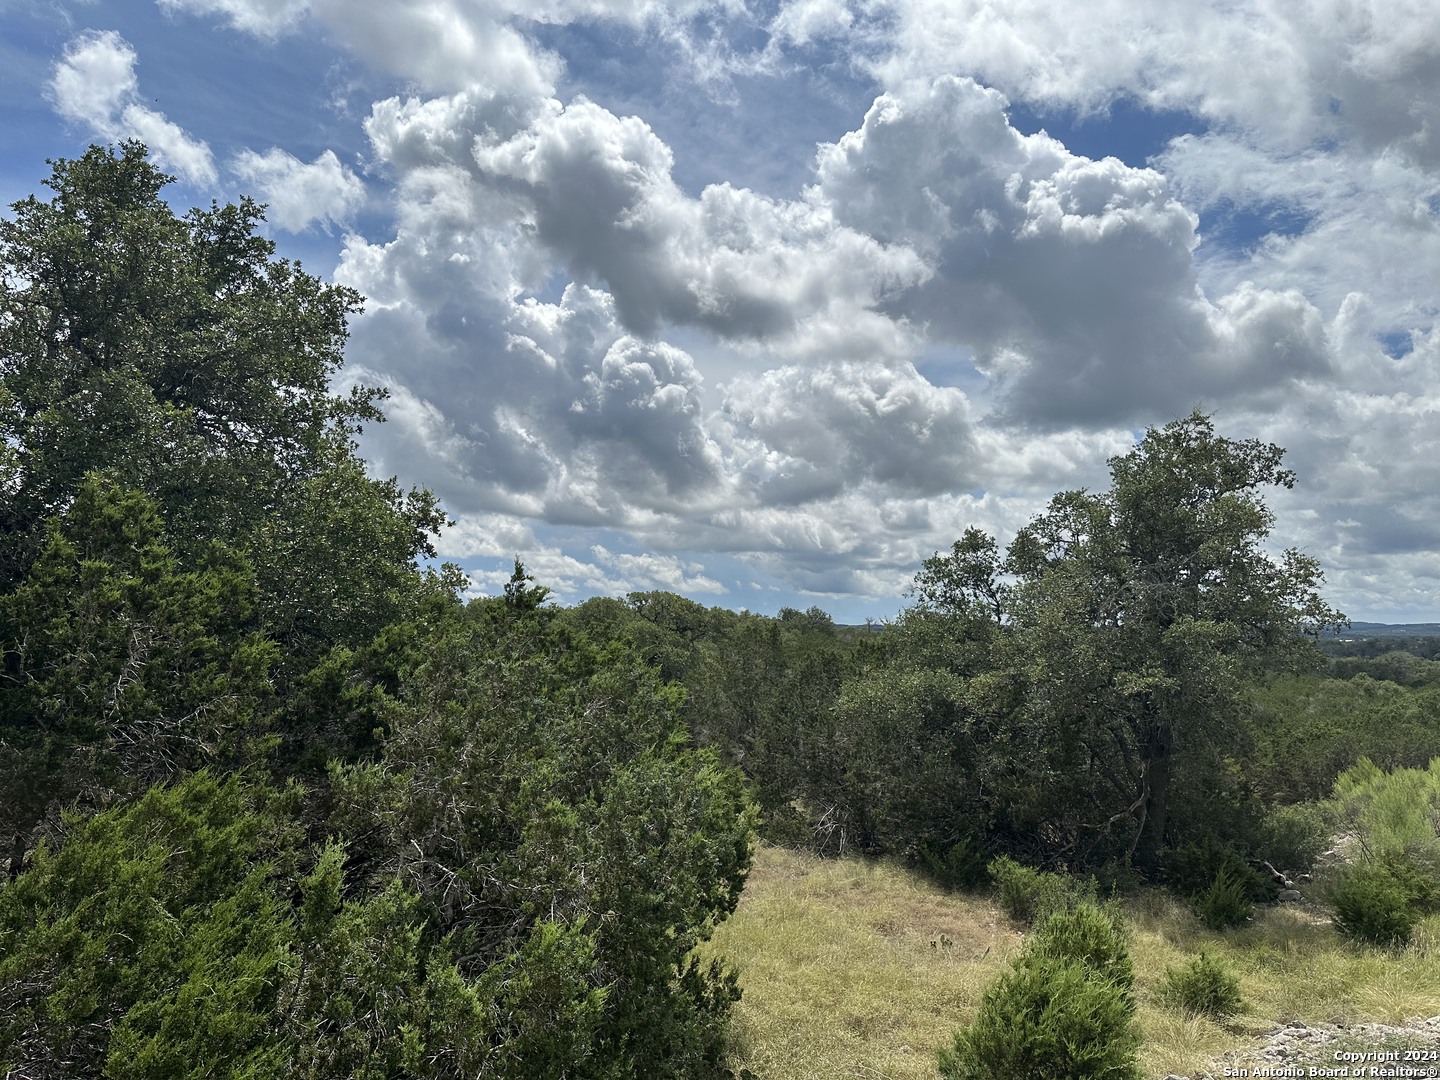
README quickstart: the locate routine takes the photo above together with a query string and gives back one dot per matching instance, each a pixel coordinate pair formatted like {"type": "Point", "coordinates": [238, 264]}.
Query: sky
{"type": "Point", "coordinates": [766, 302]}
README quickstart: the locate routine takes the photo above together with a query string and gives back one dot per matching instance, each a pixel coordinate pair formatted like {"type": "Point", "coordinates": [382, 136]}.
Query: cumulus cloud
{"type": "Point", "coordinates": [323, 192]}
{"type": "Point", "coordinates": [600, 196]}
{"type": "Point", "coordinates": [1365, 225]}
{"type": "Point", "coordinates": [1288, 74]}
{"type": "Point", "coordinates": [576, 338]}
{"type": "Point", "coordinates": [579, 403]}
{"type": "Point", "coordinates": [94, 84]}
{"type": "Point", "coordinates": [445, 46]}
{"type": "Point", "coordinates": [1072, 280]}
{"type": "Point", "coordinates": [1070, 283]}
{"type": "Point", "coordinates": [811, 433]}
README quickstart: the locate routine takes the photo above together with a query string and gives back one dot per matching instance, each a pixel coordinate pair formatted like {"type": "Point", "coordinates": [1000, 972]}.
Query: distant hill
{"type": "Point", "coordinates": [1360, 630]}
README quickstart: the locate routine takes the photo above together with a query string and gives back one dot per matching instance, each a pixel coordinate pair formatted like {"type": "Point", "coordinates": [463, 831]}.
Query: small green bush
{"type": "Point", "coordinates": [1225, 904]}
{"type": "Point", "coordinates": [1375, 903]}
{"type": "Point", "coordinates": [961, 865]}
{"type": "Point", "coordinates": [1204, 987]}
{"type": "Point", "coordinates": [1091, 935]}
{"type": "Point", "coordinates": [1029, 895]}
{"type": "Point", "coordinates": [1048, 1019]}
{"type": "Point", "coordinates": [1193, 868]}
{"type": "Point", "coordinates": [1066, 1009]}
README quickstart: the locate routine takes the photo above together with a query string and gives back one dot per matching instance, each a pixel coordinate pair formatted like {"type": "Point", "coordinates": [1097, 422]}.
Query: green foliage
{"type": "Point", "coordinates": [181, 356]}
{"type": "Point", "coordinates": [1065, 1010]}
{"type": "Point", "coordinates": [1379, 901]}
{"type": "Point", "coordinates": [1030, 895]}
{"type": "Point", "coordinates": [1191, 869]}
{"type": "Point", "coordinates": [762, 693]}
{"type": "Point", "coordinates": [1395, 814]}
{"type": "Point", "coordinates": [897, 723]}
{"type": "Point", "coordinates": [1142, 609]}
{"type": "Point", "coordinates": [966, 584]}
{"type": "Point", "coordinates": [961, 864]}
{"type": "Point", "coordinates": [1307, 730]}
{"type": "Point", "coordinates": [1047, 1020]}
{"type": "Point", "coordinates": [506, 848]}
{"type": "Point", "coordinates": [1426, 647]}
{"type": "Point", "coordinates": [124, 667]}
{"type": "Point", "coordinates": [1294, 836]}
{"type": "Point", "coordinates": [1225, 903]}
{"type": "Point", "coordinates": [1395, 818]}
{"type": "Point", "coordinates": [1082, 696]}
{"type": "Point", "coordinates": [529, 778]}
{"type": "Point", "coordinates": [1091, 935]}
{"type": "Point", "coordinates": [150, 943]}
{"type": "Point", "coordinates": [1399, 666]}
{"type": "Point", "coordinates": [1204, 987]}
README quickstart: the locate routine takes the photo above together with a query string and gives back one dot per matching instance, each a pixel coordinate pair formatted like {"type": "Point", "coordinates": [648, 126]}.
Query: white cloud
{"type": "Point", "coordinates": [1288, 74]}
{"type": "Point", "coordinates": [811, 433]}
{"type": "Point", "coordinates": [1361, 224]}
{"type": "Point", "coordinates": [576, 337]}
{"type": "Point", "coordinates": [323, 192]}
{"type": "Point", "coordinates": [648, 571]}
{"type": "Point", "coordinates": [96, 78]}
{"type": "Point", "coordinates": [599, 195]}
{"type": "Point", "coordinates": [266, 18]}
{"type": "Point", "coordinates": [802, 21]}
{"type": "Point", "coordinates": [1073, 281]}
{"type": "Point", "coordinates": [94, 84]}
{"type": "Point", "coordinates": [445, 46]}
{"type": "Point", "coordinates": [577, 404]}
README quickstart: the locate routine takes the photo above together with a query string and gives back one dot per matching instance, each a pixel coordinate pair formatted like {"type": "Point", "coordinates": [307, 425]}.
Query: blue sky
{"type": "Point", "coordinates": [766, 302]}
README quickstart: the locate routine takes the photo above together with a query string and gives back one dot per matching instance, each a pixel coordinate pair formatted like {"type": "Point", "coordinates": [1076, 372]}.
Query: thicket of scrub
{"type": "Point", "coordinates": [275, 801]}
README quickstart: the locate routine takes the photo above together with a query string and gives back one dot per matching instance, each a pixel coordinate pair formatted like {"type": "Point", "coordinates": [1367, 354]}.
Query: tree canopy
{"type": "Point", "coordinates": [278, 801]}
{"type": "Point", "coordinates": [178, 354]}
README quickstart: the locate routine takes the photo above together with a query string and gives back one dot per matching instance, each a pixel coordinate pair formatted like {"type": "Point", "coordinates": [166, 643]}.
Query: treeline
{"type": "Point", "coordinates": [275, 801]}
{"type": "Point", "coordinates": [1133, 680]}
{"type": "Point", "coordinates": [852, 741]}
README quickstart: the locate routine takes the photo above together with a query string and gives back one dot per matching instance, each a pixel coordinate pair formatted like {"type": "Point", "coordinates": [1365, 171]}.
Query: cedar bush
{"type": "Point", "coordinates": [1376, 902]}
{"type": "Point", "coordinates": [1092, 935]}
{"type": "Point", "coordinates": [1065, 1011]}
{"type": "Point", "coordinates": [960, 865]}
{"type": "Point", "coordinates": [1050, 1018]}
{"type": "Point", "coordinates": [1225, 904]}
{"type": "Point", "coordinates": [1204, 987]}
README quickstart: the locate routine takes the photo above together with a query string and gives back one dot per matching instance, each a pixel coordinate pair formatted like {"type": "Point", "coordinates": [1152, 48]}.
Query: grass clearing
{"type": "Point", "coordinates": [854, 968]}
{"type": "Point", "coordinates": [858, 969]}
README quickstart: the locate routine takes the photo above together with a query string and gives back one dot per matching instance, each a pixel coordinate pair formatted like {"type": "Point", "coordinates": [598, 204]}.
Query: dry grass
{"type": "Point", "coordinates": [863, 970]}
{"type": "Point", "coordinates": [855, 969]}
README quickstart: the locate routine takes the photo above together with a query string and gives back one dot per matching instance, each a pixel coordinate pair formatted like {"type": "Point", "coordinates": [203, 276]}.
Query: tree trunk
{"type": "Point", "coordinates": [1156, 771]}
{"type": "Point", "coordinates": [17, 853]}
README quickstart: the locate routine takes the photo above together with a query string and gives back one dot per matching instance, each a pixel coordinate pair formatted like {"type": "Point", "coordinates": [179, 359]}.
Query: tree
{"type": "Point", "coordinates": [181, 356]}
{"type": "Point", "coordinates": [122, 668]}
{"type": "Point", "coordinates": [1144, 605]}
{"type": "Point", "coordinates": [537, 791]}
